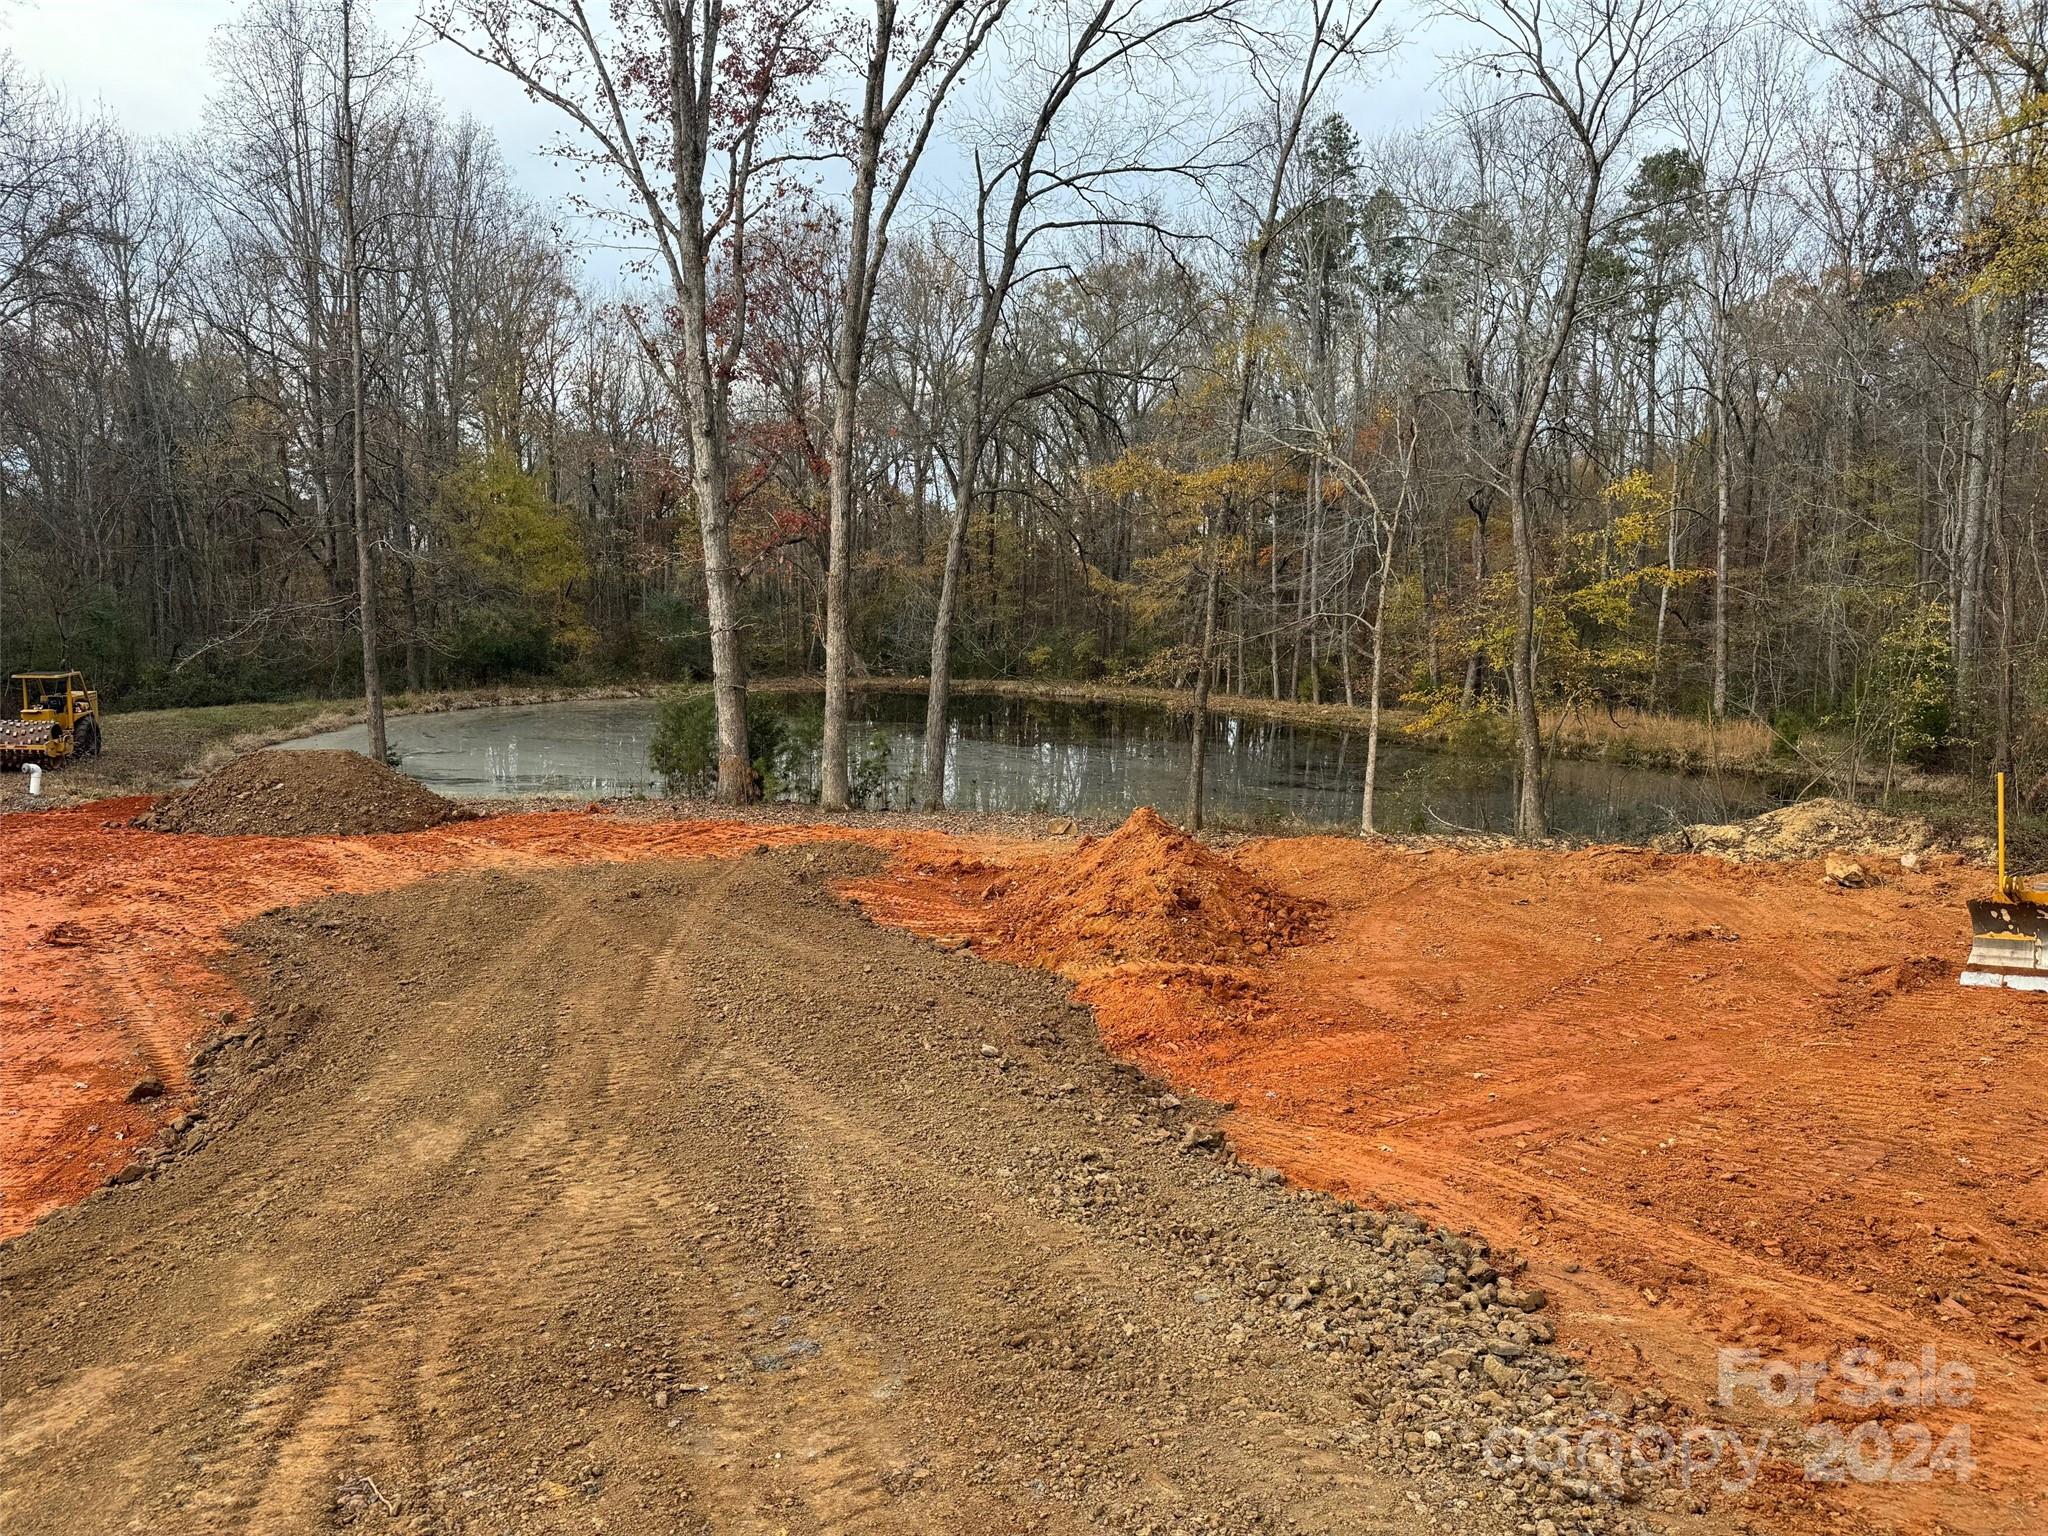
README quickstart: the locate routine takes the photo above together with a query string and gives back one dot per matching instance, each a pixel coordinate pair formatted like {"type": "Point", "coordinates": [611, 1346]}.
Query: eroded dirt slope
{"type": "Point", "coordinates": [677, 1198]}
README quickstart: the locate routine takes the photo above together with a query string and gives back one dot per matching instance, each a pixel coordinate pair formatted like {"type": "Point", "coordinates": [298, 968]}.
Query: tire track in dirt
{"type": "Point", "coordinates": [120, 933]}
{"type": "Point", "coordinates": [880, 1143]}
{"type": "Point", "coordinates": [276, 1467]}
{"type": "Point", "coordinates": [845, 1452]}
{"type": "Point", "coordinates": [677, 1197]}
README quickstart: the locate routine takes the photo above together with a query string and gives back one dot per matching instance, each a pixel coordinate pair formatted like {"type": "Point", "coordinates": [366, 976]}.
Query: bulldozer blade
{"type": "Point", "coordinates": [2008, 946]}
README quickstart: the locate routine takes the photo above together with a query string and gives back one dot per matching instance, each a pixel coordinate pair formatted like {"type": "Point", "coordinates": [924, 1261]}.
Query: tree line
{"type": "Point", "coordinates": [1686, 362]}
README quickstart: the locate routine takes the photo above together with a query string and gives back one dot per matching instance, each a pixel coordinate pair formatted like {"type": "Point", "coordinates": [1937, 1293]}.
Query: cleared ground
{"type": "Point", "coordinates": [1718, 1105]}
{"type": "Point", "coordinates": [1712, 1105]}
{"type": "Point", "coordinates": [628, 1199]}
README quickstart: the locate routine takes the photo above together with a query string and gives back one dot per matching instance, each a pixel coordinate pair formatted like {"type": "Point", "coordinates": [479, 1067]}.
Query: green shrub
{"type": "Point", "coordinates": [684, 750]}
{"type": "Point", "coordinates": [868, 769]}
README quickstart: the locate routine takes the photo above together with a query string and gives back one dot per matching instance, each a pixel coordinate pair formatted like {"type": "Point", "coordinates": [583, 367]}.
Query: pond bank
{"type": "Point", "coordinates": [153, 749]}
{"type": "Point", "coordinates": [1023, 754]}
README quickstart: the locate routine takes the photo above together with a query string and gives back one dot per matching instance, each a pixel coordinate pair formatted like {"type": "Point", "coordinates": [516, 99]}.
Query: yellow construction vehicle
{"type": "Point", "coordinates": [52, 718]}
{"type": "Point", "coordinates": [2009, 932]}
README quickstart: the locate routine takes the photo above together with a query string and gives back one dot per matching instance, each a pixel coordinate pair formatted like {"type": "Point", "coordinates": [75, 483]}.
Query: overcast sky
{"type": "Point", "coordinates": [148, 62]}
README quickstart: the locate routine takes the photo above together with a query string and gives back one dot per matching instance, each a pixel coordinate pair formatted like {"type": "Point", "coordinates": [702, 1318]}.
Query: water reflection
{"type": "Point", "coordinates": [1064, 759]}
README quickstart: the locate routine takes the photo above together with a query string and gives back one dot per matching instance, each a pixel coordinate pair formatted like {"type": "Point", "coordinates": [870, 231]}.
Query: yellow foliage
{"type": "Point", "coordinates": [2008, 251]}
{"type": "Point", "coordinates": [516, 541]}
{"type": "Point", "coordinates": [1194, 491]}
{"type": "Point", "coordinates": [1641, 511]}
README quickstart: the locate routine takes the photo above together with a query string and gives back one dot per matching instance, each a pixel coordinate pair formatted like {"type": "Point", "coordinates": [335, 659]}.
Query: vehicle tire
{"type": "Point", "coordinates": [88, 738]}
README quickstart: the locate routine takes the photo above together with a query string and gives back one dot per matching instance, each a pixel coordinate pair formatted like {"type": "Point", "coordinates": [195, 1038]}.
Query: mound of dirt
{"type": "Point", "coordinates": [1147, 892]}
{"type": "Point", "coordinates": [301, 794]}
{"type": "Point", "coordinates": [1810, 829]}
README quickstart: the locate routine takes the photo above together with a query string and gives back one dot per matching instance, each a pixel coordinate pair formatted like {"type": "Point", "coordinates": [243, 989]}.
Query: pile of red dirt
{"type": "Point", "coordinates": [301, 794]}
{"type": "Point", "coordinates": [1147, 892]}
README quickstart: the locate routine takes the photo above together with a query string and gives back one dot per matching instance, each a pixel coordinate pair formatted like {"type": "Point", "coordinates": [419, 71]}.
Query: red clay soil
{"type": "Point", "coordinates": [112, 933]}
{"type": "Point", "coordinates": [1146, 892]}
{"type": "Point", "coordinates": [1716, 1106]}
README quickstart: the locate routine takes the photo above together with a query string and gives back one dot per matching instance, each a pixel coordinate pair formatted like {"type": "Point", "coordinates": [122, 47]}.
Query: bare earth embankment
{"type": "Point", "coordinates": [1719, 1105]}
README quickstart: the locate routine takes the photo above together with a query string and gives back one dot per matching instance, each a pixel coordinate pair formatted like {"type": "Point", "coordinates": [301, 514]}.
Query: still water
{"type": "Point", "coordinates": [1063, 760]}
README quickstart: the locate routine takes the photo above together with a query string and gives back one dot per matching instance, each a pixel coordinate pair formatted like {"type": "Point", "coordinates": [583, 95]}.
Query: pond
{"type": "Point", "coordinates": [1063, 759]}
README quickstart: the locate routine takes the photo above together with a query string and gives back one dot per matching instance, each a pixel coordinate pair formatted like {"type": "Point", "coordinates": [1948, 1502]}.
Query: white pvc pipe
{"type": "Point", "coordinates": [35, 777]}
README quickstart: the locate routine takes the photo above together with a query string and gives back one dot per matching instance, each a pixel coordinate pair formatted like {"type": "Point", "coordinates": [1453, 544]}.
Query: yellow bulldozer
{"type": "Point", "coordinates": [51, 718]}
{"type": "Point", "coordinates": [2009, 931]}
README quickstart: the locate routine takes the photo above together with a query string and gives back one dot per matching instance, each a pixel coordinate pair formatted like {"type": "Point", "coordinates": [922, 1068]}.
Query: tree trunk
{"type": "Point", "coordinates": [939, 684]}
{"type": "Point", "coordinates": [1372, 709]}
{"type": "Point", "coordinates": [1273, 590]}
{"type": "Point", "coordinates": [1529, 821]}
{"type": "Point", "coordinates": [722, 609]}
{"type": "Point", "coordinates": [1980, 449]}
{"type": "Point", "coordinates": [704, 412]}
{"type": "Point", "coordinates": [1469, 695]}
{"type": "Point", "coordinates": [1723, 469]}
{"type": "Point", "coordinates": [1671, 519]}
{"type": "Point", "coordinates": [1522, 660]}
{"type": "Point", "coordinates": [352, 275]}
{"type": "Point", "coordinates": [850, 348]}
{"type": "Point", "coordinates": [1199, 746]}
{"type": "Point", "coordinates": [833, 786]}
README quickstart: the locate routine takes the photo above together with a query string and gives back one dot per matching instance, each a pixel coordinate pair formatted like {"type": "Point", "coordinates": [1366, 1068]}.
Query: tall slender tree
{"type": "Point", "coordinates": [1594, 70]}
{"type": "Point", "coordinates": [687, 105]}
{"type": "Point", "coordinates": [907, 69]}
{"type": "Point", "coordinates": [348, 130]}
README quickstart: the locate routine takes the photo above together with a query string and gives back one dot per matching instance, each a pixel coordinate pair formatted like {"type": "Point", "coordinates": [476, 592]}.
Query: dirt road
{"type": "Point", "coordinates": [677, 1198]}
{"type": "Point", "coordinates": [116, 941]}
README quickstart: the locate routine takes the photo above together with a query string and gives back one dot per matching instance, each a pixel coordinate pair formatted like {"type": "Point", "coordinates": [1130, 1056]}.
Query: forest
{"type": "Point", "coordinates": [1688, 360]}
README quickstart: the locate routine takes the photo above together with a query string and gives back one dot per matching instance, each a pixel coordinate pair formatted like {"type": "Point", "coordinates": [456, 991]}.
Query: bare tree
{"type": "Point", "coordinates": [1383, 480]}
{"type": "Point", "coordinates": [1789, 457]}
{"type": "Point", "coordinates": [1595, 69]}
{"type": "Point", "coordinates": [347, 129]}
{"type": "Point", "coordinates": [683, 104]}
{"type": "Point", "coordinates": [1020, 203]}
{"type": "Point", "coordinates": [1960, 75]}
{"type": "Point", "coordinates": [45, 224]}
{"type": "Point", "coordinates": [909, 87]}
{"type": "Point", "coordinates": [1291, 74]}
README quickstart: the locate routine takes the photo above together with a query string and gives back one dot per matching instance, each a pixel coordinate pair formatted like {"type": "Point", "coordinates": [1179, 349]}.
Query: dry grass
{"type": "Point", "coordinates": [1633, 736]}
{"type": "Point", "coordinates": [1344, 717]}
{"type": "Point", "coordinates": [148, 751]}
{"type": "Point", "coordinates": [1676, 741]}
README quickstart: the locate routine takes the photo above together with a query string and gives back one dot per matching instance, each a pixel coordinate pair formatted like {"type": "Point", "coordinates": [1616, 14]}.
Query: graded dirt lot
{"type": "Point", "coordinates": [116, 941]}
{"type": "Point", "coordinates": [628, 1199]}
{"type": "Point", "coordinates": [1717, 1105]}
{"type": "Point", "coordinates": [671, 1194]}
